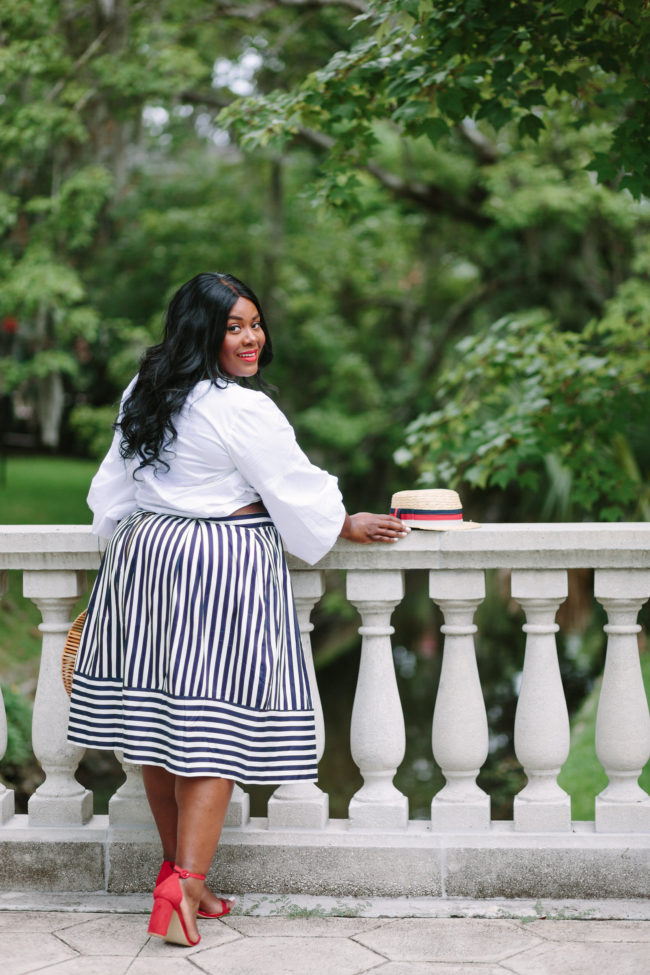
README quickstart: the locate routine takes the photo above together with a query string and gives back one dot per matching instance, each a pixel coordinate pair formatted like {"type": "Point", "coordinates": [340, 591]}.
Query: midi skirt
{"type": "Point", "coordinates": [190, 656]}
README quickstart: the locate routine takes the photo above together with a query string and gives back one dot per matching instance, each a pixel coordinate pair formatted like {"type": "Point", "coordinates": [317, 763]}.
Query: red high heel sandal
{"type": "Point", "coordinates": [166, 918]}
{"type": "Point", "coordinates": [227, 908]}
{"type": "Point", "coordinates": [167, 869]}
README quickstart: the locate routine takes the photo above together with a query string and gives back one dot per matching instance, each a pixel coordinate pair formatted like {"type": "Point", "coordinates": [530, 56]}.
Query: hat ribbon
{"type": "Point", "coordinates": [420, 514]}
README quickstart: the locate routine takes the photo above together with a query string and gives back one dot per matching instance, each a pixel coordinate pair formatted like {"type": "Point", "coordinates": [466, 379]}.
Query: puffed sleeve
{"type": "Point", "coordinates": [112, 490]}
{"type": "Point", "coordinates": [303, 500]}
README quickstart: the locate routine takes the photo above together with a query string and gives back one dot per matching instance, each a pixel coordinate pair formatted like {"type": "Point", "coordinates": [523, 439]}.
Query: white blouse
{"type": "Point", "coordinates": [233, 447]}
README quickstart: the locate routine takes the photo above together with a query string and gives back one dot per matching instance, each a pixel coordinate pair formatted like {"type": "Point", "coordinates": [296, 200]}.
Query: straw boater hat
{"type": "Point", "coordinates": [436, 510]}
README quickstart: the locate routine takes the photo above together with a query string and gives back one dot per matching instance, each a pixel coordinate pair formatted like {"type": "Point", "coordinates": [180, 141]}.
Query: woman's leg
{"type": "Point", "coordinates": [202, 806]}
{"type": "Point", "coordinates": [189, 814]}
{"type": "Point", "coordinates": [160, 786]}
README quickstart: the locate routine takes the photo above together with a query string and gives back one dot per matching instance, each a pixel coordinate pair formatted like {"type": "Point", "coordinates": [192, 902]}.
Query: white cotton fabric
{"type": "Point", "coordinates": [233, 447]}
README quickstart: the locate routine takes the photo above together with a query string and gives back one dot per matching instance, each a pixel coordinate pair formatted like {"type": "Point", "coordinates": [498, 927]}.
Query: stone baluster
{"type": "Point", "coordinates": [542, 718]}
{"type": "Point", "coordinates": [303, 804]}
{"type": "Point", "coordinates": [7, 805]}
{"type": "Point", "coordinates": [128, 806]}
{"type": "Point", "coordinates": [60, 800]}
{"type": "Point", "coordinates": [623, 722]}
{"type": "Point", "coordinates": [377, 734]}
{"type": "Point", "coordinates": [239, 808]}
{"type": "Point", "coordinates": [460, 731]}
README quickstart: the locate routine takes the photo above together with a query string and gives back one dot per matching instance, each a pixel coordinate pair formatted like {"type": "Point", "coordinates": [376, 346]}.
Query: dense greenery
{"type": "Point", "coordinates": [582, 776]}
{"type": "Point", "coordinates": [119, 182]}
{"type": "Point", "coordinates": [525, 402]}
{"type": "Point", "coordinates": [426, 67]}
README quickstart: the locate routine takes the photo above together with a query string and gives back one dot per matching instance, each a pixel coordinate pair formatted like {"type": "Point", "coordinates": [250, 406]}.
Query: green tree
{"type": "Point", "coordinates": [127, 186]}
{"type": "Point", "coordinates": [499, 111]}
{"type": "Point", "coordinates": [75, 77]}
{"type": "Point", "coordinates": [78, 79]}
{"type": "Point", "coordinates": [427, 67]}
{"type": "Point", "coordinates": [553, 415]}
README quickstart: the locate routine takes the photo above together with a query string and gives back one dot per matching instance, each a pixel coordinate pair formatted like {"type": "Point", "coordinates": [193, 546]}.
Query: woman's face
{"type": "Point", "coordinates": [244, 340]}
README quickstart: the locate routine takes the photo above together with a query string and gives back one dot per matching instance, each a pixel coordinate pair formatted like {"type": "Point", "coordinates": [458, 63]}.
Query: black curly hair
{"type": "Point", "coordinates": [195, 327]}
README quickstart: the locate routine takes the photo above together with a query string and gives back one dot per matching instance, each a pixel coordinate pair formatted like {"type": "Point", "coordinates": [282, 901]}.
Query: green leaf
{"type": "Point", "coordinates": [531, 126]}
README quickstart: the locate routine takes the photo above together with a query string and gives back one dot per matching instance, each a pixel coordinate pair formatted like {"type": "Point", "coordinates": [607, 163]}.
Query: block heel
{"type": "Point", "coordinates": [161, 915]}
{"type": "Point", "coordinates": [166, 919]}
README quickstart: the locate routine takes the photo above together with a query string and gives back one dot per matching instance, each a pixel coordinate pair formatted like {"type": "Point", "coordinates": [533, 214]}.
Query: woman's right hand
{"type": "Point", "coordinates": [365, 527]}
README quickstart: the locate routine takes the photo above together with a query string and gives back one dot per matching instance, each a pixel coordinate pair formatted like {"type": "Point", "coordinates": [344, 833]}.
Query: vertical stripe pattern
{"type": "Point", "coordinates": [190, 656]}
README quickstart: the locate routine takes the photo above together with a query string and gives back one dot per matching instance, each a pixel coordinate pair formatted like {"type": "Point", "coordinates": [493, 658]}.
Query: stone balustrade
{"type": "Point", "coordinates": [460, 851]}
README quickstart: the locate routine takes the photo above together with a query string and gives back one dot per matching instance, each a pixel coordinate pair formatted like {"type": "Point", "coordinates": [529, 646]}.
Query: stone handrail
{"type": "Point", "coordinates": [53, 560]}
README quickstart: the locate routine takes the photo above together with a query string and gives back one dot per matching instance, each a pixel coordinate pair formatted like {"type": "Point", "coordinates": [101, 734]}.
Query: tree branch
{"type": "Point", "coordinates": [485, 151]}
{"type": "Point", "coordinates": [87, 54]}
{"type": "Point", "coordinates": [209, 99]}
{"type": "Point", "coordinates": [425, 195]}
{"type": "Point", "coordinates": [428, 196]}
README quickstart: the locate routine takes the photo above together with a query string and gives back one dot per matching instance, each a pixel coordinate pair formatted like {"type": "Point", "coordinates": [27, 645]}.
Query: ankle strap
{"type": "Point", "coordinates": [184, 874]}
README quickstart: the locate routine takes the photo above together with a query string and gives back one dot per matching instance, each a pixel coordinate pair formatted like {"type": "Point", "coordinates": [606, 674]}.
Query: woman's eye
{"type": "Point", "coordinates": [232, 328]}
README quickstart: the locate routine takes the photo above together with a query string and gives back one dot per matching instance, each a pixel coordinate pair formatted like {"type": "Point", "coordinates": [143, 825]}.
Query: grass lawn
{"type": "Point", "coordinates": [582, 775]}
{"type": "Point", "coordinates": [35, 491]}
{"type": "Point", "coordinates": [46, 491]}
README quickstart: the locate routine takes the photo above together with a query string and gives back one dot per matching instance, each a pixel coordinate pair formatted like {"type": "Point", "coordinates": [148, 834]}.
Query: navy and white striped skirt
{"type": "Point", "coordinates": [190, 656]}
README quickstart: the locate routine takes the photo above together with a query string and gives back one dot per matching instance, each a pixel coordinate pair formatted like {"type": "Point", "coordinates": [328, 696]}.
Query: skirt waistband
{"type": "Point", "coordinates": [244, 521]}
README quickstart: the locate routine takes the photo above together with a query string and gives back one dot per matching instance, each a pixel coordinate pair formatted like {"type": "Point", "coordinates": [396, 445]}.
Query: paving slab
{"type": "Point", "coordinates": [214, 934]}
{"type": "Point", "coordinates": [594, 931]}
{"type": "Point", "coordinates": [288, 956]}
{"type": "Point", "coordinates": [294, 927]}
{"type": "Point", "coordinates": [73, 942]}
{"type": "Point", "coordinates": [23, 953]}
{"type": "Point", "coordinates": [178, 965]}
{"type": "Point", "coordinates": [112, 934]}
{"type": "Point", "coordinates": [582, 959]}
{"type": "Point", "coordinates": [33, 922]}
{"type": "Point", "coordinates": [85, 965]}
{"type": "Point", "coordinates": [433, 968]}
{"type": "Point", "coordinates": [459, 940]}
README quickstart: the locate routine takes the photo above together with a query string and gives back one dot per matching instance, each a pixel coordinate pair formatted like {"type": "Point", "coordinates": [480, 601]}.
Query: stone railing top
{"type": "Point", "coordinates": [49, 547]}
{"type": "Point", "coordinates": [567, 545]}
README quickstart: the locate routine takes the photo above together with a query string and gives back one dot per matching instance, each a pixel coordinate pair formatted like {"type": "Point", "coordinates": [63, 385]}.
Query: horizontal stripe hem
{"type": "Point", "coordinates": [220, 770]}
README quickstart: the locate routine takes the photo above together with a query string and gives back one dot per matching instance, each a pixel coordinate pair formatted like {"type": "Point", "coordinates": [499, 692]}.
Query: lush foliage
{"type": "Point", "coordinates": [427, 67]}
{"type": "Point", "coordinates": [524, 399]}
{"type": "Point", "coordinates": [582, 775]}
{"type": "Point", "coordinates": [19, 720]}
{"type": "Point", "coordinates": [119, 183]}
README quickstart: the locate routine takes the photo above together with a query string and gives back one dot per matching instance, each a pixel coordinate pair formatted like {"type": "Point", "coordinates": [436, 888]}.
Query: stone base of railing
{"type": "Point", "coordinates": [338, 861]}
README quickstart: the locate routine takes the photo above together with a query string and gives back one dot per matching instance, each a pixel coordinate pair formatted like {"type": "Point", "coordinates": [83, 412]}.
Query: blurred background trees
{"type": "Point", "coordinates": [392, 178]}
{"type": "Point", "coordinates": [443, 209]}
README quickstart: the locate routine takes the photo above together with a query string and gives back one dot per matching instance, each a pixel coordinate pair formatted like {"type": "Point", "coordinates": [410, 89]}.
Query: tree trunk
{"type": "Point", "coordinates": [49, 408]}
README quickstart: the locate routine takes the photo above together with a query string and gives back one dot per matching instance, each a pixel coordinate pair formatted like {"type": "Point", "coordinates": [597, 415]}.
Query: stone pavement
{"type": "Point", "coordinates": [104, 935]}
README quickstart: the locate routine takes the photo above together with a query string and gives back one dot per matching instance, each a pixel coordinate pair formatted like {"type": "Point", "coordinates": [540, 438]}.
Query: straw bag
{"type": "Point", "coordinates": [70, 651]}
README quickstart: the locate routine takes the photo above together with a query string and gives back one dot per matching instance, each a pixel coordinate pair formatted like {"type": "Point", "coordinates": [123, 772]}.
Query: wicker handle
{"type": "Point", "coordinates": [70, 651]}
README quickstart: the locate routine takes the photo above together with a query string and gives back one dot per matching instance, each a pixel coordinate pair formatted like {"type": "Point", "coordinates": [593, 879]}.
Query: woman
{"type": "Point", "coordinates": [190, 659]}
